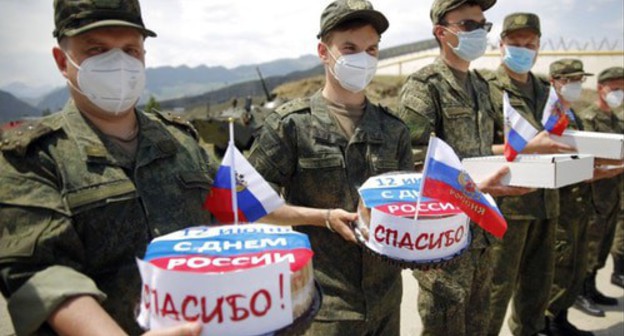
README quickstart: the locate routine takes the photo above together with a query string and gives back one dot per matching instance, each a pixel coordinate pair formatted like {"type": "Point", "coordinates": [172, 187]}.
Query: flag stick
{"type": "Point", "coordinates": [233, 171]}
{"type": "Point", "coordinates": [424, 175]}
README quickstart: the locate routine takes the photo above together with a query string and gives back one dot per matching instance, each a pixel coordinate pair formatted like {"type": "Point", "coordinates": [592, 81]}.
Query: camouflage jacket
{"type": "Point", "coordinates": [605, 192]}
{"type": "Point", "coordinates": [432, 100]}
{"type": "Point", "coordinates": [543, 203]}
{"type": "Point", "coordinates": [576, 198]}
{"type": "Point", "coordinates": [75, 211]}
{"type": "Point", "coordinates": [303, 151]}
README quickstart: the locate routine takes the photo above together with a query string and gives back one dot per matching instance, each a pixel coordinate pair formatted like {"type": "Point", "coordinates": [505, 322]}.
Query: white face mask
{"type": "Point", "coordinates": [571, 92]}
{"type": "Point", "coordinates": [614, 98]}
{"type": "Point", "coordinates": [113, 81]}
{"type": "Point", "coordinates": [472, 45]}
{"type": "Point", "coordinates": [354, 71]}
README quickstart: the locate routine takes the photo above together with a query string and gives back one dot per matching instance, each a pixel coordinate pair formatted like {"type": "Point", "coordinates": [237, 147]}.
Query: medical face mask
{"type": "Point", "coordinates": [472, 44]}
{"type": "Point", "coordinates": [571, 92]}
{"type": "Point", "coordinates": [614, 98]}
{"type": "Point", "coordinates": [113, 81]}
{"type": "Point", "coordinates": [519, 60]}
{"type": "Point", "coordinates": [355, 71]}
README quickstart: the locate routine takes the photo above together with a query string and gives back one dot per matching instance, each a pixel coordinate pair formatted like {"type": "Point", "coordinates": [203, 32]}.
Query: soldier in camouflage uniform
{"type": "Point", "coordinates": [600, 117]}
{"type": "Point", "coordinates": [86, 189]}
{"type": "Point", "coordinates": [617, 250]}
{"type": "Point", "coordinates": [524, 258]}
{"type": "Point", "coordinates": [567, 76]}
{"type": "Point", "coordinates": [318, 150]}
{"type": "Point", "coordinates": [448, 99]}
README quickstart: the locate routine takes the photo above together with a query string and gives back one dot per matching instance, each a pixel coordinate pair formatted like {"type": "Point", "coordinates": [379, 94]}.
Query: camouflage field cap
{"type": "Point", "coordinates": [517, 21]}
{"type": "Point", "coordinates": [439, 8]}
{"type": "Point", "coordinates": [341, 11]}
{"type": "Point", "coordinates": [568, 67]}
{"type": "Point", "coordinates": [610, 74]}
{"type": "Point", "coordinates": [73, 17]}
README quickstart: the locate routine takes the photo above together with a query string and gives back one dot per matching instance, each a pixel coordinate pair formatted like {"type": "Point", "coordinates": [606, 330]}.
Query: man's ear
{"type": "Point", "coordinates": [323, 54]}
{"type": "Point", "coordinates": [61, 60]}
{"type": "Point", "coordinates": [439, 32]}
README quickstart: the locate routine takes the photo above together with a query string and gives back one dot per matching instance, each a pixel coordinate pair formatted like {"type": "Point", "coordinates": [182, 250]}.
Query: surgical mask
{"type": "Point", "coordinates": [472, 44]}
{"type": "Point", "coordinates": [614, 98]}
{"type": "Point", "coordinates": [571, 92]}
{"type": "Point", "coordinates": [355, 71]}
{"type": "Point", "coordinates": [519, 60]}
{"type": "Point", "coordinates": [113, 81]}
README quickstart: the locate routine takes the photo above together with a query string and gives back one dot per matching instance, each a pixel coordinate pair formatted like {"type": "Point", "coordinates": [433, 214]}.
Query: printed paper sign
{"type": "Point", "coordinates": [428, 239]}
{"type": "Point", "coordinates": [248, 302]}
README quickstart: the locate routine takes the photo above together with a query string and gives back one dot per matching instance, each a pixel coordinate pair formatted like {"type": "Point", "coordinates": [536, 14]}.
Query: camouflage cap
{"type": "Point", "coordinates": [73, 17]}
{"type": "Point", "coordinates": [610, 74]}
{"type": "Point", "coordinates": [439, 8]}
{"type": "Point", "coordinates": [567, 67]}
{"type": "Point", "coordinates": [517, 21]}
{"type": "Point", "coordinates": [341, 11]}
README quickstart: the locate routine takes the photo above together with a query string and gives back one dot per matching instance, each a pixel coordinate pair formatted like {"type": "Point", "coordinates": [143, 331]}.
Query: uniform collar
{"type": "Point", "coordinates": [539, 88]}
{"type": "Point", "coordinates": [154, 141]}
{"type": "Point", "coordinates": [446, 72]}
{"type": "Point", "coordinates": [368, 130]}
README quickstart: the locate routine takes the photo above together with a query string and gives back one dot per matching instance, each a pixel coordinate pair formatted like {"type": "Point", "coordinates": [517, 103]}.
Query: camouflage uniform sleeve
{"type": "Point", "coordinates": [417, 109]}
{"type": "Point", "coordinates": [41, 255]}
{"type": "Point", "coordinates": [272, 153]}
{"type": "Point", "coordinates": [406, 157]}
{"type": "Point", "coordinates": [588, 122]}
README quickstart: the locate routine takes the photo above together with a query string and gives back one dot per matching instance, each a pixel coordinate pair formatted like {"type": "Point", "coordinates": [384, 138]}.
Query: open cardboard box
{"type": "Point", "coordinates": [550, 171]}
{"type": "Point", "coordinates": [600, 145]}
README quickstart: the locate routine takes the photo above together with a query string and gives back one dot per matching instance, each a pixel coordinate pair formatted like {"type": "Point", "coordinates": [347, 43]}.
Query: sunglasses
{"type": "Point", "coordinates": [566, 80]}
{"type": "Point", "coordinates": [470, 25]}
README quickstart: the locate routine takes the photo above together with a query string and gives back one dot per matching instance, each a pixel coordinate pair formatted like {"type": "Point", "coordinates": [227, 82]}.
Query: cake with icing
{"type": "Point", "coordinates": [388, 228]}
{"type": "Point", "coordinates": [236, 248]}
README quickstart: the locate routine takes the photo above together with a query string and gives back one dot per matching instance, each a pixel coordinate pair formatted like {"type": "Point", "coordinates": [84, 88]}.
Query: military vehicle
{"type": "Point", "coordinates": [248, 120]}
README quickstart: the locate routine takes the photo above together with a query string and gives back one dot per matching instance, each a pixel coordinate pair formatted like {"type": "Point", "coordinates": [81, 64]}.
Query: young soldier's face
{"type": "Point", "coordinates": [610, 85]}
{"type": "Point", "coordinates": [350, 41]}
{"type": "Point", "coordinates": [462, 19]}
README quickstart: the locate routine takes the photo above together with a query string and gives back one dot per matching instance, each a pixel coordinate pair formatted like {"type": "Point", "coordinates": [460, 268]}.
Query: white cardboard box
{"type": "Point", "coordinates": [600, 145]}
{"type": "Point", "coordinates": [550, 171]}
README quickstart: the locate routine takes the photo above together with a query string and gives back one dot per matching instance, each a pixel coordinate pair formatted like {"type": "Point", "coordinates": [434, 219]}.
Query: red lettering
{"type": "Point", "coordinates": [435, 244]}
{"type": "Point", "coordinates": [379, 230]}
{"type": "Point", "coordinates": [406, 242]}
{"type": "Point", "coordinates": [185, 303]}
{"type": "Point", "coordinates": [169, 308]}
{"type": "Point", "coordinates": [238, 313]}
{"type": "Point", "coordinates": [418, 245]}
{"type": "Point", "coordinates": [449, 238]}
{"type": "Point", "coordinates": [217, 311]}
{"type": "Point", "coordinates": [267, 300]}
{"type": "Point", "coordinates": [459, 234]}
{"type": "Point", "coordinates": [146, 297]}
{"type": "Point", "coordinates": [391, 237]}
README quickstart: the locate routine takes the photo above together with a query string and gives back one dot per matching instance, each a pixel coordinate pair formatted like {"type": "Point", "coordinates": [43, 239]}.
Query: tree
{"type": "Point", "coordinates": [152, 104]}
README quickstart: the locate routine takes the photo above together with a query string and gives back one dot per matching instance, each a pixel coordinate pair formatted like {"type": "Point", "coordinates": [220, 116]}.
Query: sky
{"type": "Point", "coordinates": [238, 32]}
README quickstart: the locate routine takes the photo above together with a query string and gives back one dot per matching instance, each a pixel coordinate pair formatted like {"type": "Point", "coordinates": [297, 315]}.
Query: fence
{"type": "Point", "coordinates": [594, 61]}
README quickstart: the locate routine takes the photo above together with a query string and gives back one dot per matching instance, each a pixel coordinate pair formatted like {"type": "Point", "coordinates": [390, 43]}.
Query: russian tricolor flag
{"type": "Point", "coordinates": [445, 179]}
{"type": "Point", "coordinates": [554, 118]}
{"type": "Point", "coordinates": [253, 199]}
{"type": "Point", "coordinates": [518, 131]}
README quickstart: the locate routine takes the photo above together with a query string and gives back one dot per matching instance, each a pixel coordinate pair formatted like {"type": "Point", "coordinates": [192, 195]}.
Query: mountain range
{"type": "Point", "coordinates": [164, 83]}
{"type": "Point", "coordinates": [183, 87]}
{"type": "Point", "coordinates": [12, 108]}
